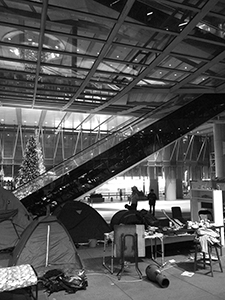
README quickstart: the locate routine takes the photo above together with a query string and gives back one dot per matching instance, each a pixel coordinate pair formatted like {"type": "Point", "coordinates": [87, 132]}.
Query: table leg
{"type": "Point", "coordinates": [110, 269]}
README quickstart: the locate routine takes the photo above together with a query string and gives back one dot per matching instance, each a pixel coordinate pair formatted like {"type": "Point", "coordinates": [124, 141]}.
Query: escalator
{"type": "Point", "coordinates": [116, 135]}
{"type": "Point", "coordinates": [89, 175]}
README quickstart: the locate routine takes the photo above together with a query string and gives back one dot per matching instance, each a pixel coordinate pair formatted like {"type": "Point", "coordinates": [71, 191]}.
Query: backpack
{"type": "Point", "coordinates": [149, 219]}
{"type": "Point", "coordinates": [56, 280]}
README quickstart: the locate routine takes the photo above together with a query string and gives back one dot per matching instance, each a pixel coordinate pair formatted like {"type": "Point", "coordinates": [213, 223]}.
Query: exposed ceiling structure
{"type": "Point", "coordinates": [66, 62]}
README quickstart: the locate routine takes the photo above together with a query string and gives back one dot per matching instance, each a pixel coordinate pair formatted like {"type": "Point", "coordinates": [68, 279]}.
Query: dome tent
{"type": "Point", "coordinates": [46, 244]}
{"type": "Point", "coordinates": [82, 221]}
{"type": "Point", "coordinates": [14, 218]}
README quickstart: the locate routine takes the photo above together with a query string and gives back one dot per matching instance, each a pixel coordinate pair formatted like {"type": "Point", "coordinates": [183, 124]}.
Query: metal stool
{"type": "Point", "coordinates": [135, 249]}
{"type": "Point", "coordinates": [208, 259]}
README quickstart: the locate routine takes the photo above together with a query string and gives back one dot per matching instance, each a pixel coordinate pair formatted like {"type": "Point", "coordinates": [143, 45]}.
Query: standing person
{"type": "Point", "coordinates": [133, 199]}
{"type": "Point", "coordinates": [121, 195]}
{"type": "Point", "coordinates": [152, 200]}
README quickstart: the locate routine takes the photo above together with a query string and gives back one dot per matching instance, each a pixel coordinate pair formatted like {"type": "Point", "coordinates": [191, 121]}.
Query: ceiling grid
{"type": "Point", "coordinates": [95, 57]}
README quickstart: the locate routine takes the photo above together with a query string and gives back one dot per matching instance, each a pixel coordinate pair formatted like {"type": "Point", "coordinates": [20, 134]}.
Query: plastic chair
{"type": "Point", "coordinates": [177, 214]}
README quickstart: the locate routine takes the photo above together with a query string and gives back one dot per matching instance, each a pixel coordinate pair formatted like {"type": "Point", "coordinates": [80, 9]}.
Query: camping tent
{"type": "Point", "coordinates": [82, 221]}
{"type": "Point", "coordinates": [46, 244]}
{"type": "Point", "coordinates": [14, 218]}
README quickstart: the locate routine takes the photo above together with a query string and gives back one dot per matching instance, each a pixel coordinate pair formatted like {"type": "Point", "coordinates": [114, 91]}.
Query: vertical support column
{"type": "Point", "coordinates": [179, 182]}
{"type": "Point", "coordinates": [173, 175]}
{"type": "Point", "coordinates": [219, 149]}
{"type": "Point", "coordinates": [196, 172]}
{"type": "Point", "coordinates": [170, 179]}
{"type": "Point", "coordinates": [205, 172]}
{"type": "Point", "coordinates": [153, 179]}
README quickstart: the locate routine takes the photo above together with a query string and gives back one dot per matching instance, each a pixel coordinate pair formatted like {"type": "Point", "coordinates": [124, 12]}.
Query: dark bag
{"type": "Point", "coordinates": [149, 219]}
{"type": "Point", "coordinates": [55, 280]}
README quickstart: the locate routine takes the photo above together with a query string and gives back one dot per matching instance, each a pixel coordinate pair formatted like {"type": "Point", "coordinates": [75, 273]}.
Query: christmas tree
{"type": "Point", "coordinates": [33, 163]}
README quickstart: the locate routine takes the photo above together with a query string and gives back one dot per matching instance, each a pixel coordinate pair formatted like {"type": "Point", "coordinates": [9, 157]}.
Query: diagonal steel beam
{"type": "Point", "coordinates": [40, 45]}
{"type": "Point", "coordinates": [198, 17]}
{"type": "Point", "coordinates": [42, 118]}
{"type": "Point", "coordinates": [104, 50]}
{"type": "Point", "coordinates": [201, 70]}
{"type": "Point", "coordinates": [201, 149]}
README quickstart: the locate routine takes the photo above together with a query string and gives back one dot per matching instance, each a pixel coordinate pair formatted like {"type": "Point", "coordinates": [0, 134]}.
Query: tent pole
{"type": "Point", "coordinates": [47, 246]}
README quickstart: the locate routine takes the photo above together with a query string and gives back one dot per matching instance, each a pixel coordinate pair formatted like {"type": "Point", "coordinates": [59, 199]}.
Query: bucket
{"type": "Point", "coordinates": [92, 243]}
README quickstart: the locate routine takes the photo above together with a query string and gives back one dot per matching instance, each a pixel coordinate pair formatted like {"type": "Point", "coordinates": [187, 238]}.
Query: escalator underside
{"type": "Point", "coordinates": [126, 154]}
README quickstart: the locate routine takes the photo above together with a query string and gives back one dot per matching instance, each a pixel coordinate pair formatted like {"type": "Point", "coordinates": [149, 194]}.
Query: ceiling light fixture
{"type": "Point", "coordinates": [182, 24]}
{"type": "Point", "coordinates": [114, 2]}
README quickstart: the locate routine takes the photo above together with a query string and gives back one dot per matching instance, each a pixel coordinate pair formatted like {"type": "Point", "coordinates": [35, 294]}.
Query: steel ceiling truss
{"type": "Point", "coordinates": [40, 93]}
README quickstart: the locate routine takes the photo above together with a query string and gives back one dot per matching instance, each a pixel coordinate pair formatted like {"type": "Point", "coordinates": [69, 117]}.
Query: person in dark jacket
{"type": "Point", "coordinates": [152, 201]}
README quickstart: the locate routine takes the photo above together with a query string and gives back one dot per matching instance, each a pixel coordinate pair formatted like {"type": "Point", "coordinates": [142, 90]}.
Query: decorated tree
{"type": "Point", "coordinates": [33, 163]}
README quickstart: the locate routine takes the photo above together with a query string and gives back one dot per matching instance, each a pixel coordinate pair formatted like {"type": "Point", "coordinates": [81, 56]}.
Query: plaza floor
{"type": "Point", "coordinates": [183, 283]}
{"type": "Point", "coordinates": [178, 269]}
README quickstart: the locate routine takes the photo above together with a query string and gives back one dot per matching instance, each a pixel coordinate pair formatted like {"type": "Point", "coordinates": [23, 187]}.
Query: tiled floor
{"type": "Point", "coordinates": [103, 285]}
{"type": "Point", "coordinates": [179, 259]}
